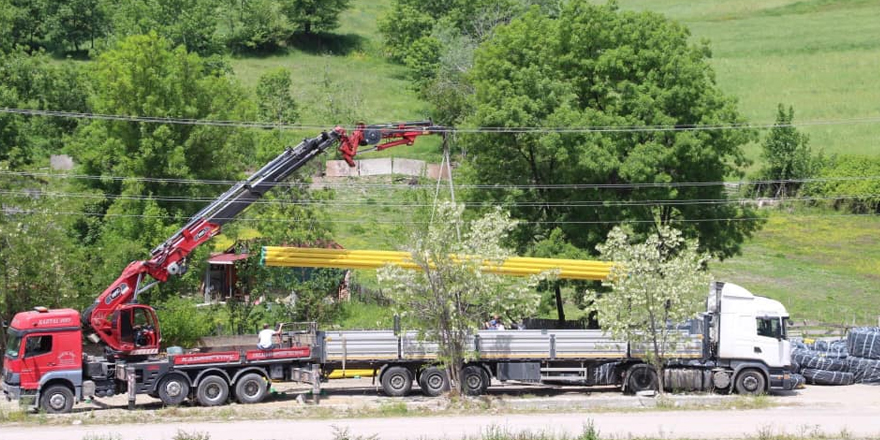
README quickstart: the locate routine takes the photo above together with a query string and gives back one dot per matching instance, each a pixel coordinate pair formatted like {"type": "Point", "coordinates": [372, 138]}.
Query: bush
{"type": "Point", "coordinates": [850, 182]}
{"type": "Point", "coordinates": [182, 323]}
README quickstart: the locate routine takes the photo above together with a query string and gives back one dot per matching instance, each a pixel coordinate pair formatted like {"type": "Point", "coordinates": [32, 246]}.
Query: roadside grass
{"type": "Point", "coordinates": [820, 56]}
{"type": "Point", "coordinates": [397, 408]}
{"type": "Point", "coordinates": [820, 265]}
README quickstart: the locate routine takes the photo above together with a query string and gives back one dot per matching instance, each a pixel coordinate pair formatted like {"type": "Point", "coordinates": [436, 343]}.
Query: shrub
{"type": "Point", "coordinates": [850, 182]}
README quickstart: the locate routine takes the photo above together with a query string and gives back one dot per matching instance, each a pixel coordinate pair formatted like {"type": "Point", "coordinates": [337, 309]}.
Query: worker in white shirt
{"type": "Point", "coordinates": [266, 335]}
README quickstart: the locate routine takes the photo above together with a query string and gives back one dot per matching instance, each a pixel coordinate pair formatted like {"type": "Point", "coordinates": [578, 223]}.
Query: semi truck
{"type": "Point", "coordinates": [739, 344]}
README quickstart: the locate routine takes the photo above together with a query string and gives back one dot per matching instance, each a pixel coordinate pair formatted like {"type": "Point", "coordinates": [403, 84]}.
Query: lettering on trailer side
{"type": "Point", "coordinates": [212, 358]}
{"type": "Point", "coordinates": [297, 352]}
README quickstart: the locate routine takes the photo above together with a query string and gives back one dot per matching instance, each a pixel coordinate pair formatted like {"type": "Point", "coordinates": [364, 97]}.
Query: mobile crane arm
{"type": "Point", "coordinates": [116, 311]}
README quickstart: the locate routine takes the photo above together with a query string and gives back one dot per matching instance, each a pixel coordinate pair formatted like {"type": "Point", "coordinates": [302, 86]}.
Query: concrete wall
{"type": "Point", "coordinates": [385, 167]}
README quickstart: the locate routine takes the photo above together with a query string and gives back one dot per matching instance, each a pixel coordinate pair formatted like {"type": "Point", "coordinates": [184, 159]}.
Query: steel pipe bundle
{"type": "Point", "coordinates": [277, 256]}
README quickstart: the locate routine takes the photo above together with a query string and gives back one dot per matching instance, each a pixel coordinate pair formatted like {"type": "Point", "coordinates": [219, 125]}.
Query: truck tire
{"type": "Point", "coordinates": [397, 381]}
{"type": "Point", "coordinates": [433, 382]}
{"type": "Point", "coordinates": [251, 388]}
{"type": "Point", "coordinates": [212, 391]}
{"type": "Point", "coordinates": [173, 390]}
{"type": "Point", "coordinates": [641, 377]}
{"type": "Point", "coordinates": [474, 380]}
{"type": "Point", "coordinates": [57, 399]}
{"type": "Point", "coordinates": [751, 381]}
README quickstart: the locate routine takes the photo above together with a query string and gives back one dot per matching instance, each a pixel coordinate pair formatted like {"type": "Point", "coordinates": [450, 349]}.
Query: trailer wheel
{"type": "Point", "coordinates": [173, 390]}
{"type": "Point", "coordinates": [475, 381]}
{"type": "Point", "coordinates": [641, 377]}
{"type": "Point", "coordinates": [750, 381]}
{"type": "Point", "coordinates": [433, 382]}
{"type": "Point", "coordinates": [397, 381]}
{"type": "Point", "coordinates": [212, 391]}
{"type": "Point", "coordinates": [57, 399]}
{"type": "Point", "coordinates": [251, 388]}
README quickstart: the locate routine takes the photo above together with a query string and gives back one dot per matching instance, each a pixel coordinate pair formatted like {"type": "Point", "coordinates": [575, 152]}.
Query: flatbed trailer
{"type": "Point", "coordinates": [583, 357]}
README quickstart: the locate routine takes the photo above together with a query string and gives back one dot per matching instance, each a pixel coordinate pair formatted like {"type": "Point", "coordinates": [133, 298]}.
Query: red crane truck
{"type": "Point", "coordinates": [44, 360]}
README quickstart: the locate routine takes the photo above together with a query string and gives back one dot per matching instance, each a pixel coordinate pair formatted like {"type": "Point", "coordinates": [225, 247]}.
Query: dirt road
{"type": "Point", "coordinates": [827, 410]}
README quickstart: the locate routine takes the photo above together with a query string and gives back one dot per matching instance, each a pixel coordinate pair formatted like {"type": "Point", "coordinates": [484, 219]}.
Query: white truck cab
{"type": "Point", "coordinates": [749, 330]}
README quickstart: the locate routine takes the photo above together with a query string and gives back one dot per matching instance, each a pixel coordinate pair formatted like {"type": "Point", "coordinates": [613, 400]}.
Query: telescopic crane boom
{"type": "Point", "coordinates": [115, 316]}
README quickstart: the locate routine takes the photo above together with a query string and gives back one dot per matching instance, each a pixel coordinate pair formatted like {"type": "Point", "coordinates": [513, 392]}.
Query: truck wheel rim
{"type": "Point", "coordinates": [57, 401]}
{"type": "Point", "coordinates": [474, 381]}
{"type": "Point", "coordinates": [397, 381]}
{"type": "Point", "coordinates": [750, 383]}
{"type": "Point", "coordinates": [251, 389]}
{"type": "Point", "coordinates": [172, 388]}
{"type": "Point", "coordinates": [212, 391]}
{"type": "Point", "coordinates": [435, 381]}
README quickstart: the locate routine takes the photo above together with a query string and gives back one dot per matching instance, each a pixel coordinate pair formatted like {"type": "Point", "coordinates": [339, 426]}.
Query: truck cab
{"type": "Point", "coordinates": [43, 359]}
{"type": "Point", "coordinates": [750, 333]}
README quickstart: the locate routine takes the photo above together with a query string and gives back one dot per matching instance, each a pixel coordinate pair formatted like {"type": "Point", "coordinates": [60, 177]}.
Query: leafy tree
{"type": "Point", "coordinates": [786, 154]}
{"type": "Point", "coordinates": [145, 76]}
{"type": "Point", "coordinates": [405, 23]}
{"type": "Point", "coordinates": [191, 23]}
{"type": "Point", "coordinates": [254, 24]}
{"type": "Point", "coordinates": [42, 266]}
{"type": "Point", "coordinates": [274, 99]}
{"type": "Point", "coordinates": [75, 22]}
{"type": "Point", "coordinates": [32, 81]}
{"type": "Point", "coordinates": [313, 16]}
{"type": "Point", "coordinates": [556, 246]}
{"type": "Point", "coordinates": [448, 297]}
{"type": "Point", "coordinates": [597, 66]}
{"type": "Point", "coordinates": [25, 21]}
{"type": "Point", "coordinates": [655, 285]}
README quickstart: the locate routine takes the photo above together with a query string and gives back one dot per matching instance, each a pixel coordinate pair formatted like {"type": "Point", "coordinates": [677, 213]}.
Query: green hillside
{"type": "Point", "coordinates": [821, 56]}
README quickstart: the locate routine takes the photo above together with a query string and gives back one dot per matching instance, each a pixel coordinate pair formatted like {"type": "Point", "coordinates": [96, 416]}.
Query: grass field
{"type": "Point", "coordinates": [820, 56]}
{"type": "Point", "coordinates": [819, 265]}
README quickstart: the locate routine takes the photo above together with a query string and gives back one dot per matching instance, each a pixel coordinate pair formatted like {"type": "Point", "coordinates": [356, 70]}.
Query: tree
{"type": "Point", "coordinates": [254, 24]}
{"type": "Point", "coordinates": [313, 16]}
{"type": "Point", "coordinates": [42, 266]}
{"type": "Point", "coordinates": [274, 100]}
{"type": "Point", "coordinates": [448, 297]}
{"type": "Point", "coordinates": [655, 286]}
{"type": "Point", "coordinates": [597, 66]}
{"type": "Point", "coordinates": [786, 154]}
{"type": "Point", "coordinates": [191, 23]}
{"type": "Point", "coordinates": [31, 80]}
{"type": "Point", "coordinates": [76, 22]}
{"type": "Point", "coordinates": [145, 76]}
{"type": "Point", "coordinates": [556, 246]}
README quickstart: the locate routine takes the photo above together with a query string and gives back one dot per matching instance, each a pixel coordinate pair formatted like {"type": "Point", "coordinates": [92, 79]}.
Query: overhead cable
{"type": "Point", "coordinates": [499, 186]}
{"type": "Point", "coordinates": [367, 203]}
{"type": "Point", "coordinates": [511, 130]}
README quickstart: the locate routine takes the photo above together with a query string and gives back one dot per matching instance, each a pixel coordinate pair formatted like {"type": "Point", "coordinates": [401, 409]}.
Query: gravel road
{"type": "Point", "coordinates": [829, 410]}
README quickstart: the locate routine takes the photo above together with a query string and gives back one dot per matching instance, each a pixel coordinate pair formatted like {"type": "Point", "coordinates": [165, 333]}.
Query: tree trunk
{"type": "Point", "coordinates": [560, 311]}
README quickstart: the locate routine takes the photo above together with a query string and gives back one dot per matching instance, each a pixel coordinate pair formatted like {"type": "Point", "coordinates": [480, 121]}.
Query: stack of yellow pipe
{"type": "Point", "coordinates": [277, 256]}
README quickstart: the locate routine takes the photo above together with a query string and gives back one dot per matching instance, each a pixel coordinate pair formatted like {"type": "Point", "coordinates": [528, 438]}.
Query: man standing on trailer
{"type": "Point", "coordinates": [266, 335]}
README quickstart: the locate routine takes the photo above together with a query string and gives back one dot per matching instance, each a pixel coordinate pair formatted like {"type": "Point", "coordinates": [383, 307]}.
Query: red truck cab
{"type": "Point", "coordinates": [43, 358]}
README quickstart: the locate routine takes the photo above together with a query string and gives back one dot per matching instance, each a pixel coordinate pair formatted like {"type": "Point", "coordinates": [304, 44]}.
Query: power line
{"type": "Point", "coordinates": [510, 130]}
{"type": "Point", "coordinates": [367, 203]}
{"type": "Point", "coordinates": [571, 186]}
{"type": "Point", "coordinates": [397, 222]}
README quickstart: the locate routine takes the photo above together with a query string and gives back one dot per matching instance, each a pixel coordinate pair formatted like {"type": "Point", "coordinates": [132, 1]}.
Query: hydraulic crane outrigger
{"type": "Point", "coordinates": [114, 311]}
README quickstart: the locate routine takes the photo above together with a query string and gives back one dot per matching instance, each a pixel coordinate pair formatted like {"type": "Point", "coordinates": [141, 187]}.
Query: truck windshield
{"type": "Point", "coordinates": [13, 344]}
